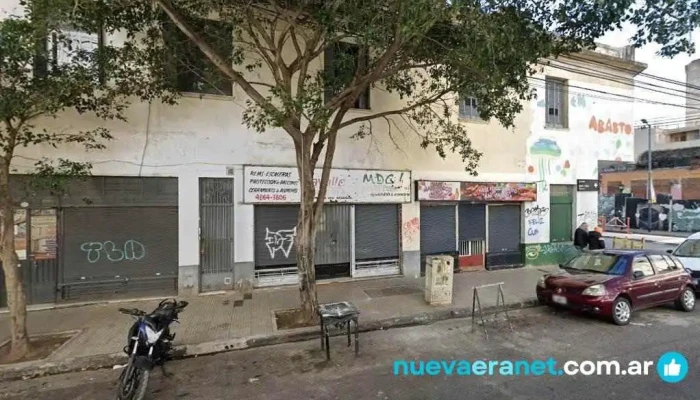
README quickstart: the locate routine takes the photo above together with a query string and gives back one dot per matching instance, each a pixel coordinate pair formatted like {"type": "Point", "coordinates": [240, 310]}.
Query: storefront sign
{"type": "Point", "coordinates": [498, 191]}
{"type": "Point", "coordinates": [437, 191]}
{"type": "Point", "coordinates": [475, 191]}
{"type": "Point", "coordinates": [281, 185]}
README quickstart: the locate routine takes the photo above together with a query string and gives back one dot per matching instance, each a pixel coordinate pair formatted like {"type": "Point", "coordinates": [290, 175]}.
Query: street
{"type": "Point", "coordinates": [299, 370]}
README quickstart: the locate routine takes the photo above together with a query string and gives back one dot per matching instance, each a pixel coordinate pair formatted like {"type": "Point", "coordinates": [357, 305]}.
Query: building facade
{"type": "Point", "coordinates": [187, 200]}
{"type": "Point", "coordinates": [589, 119]}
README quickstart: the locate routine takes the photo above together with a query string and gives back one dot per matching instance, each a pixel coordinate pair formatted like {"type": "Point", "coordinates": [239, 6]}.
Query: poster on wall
{"type": "Point", "coordinates": [498, 191]}
{"type": "Point", "coordinates": [475, 191]}
{"type": "Point", "coordinates": [43, 230]}
{"type": "Point", "coordinates": [281, 185]}
{"type": "Point", "coordinates": [437, 191]}
{"type": "Point", "coordinates": [21, 233]}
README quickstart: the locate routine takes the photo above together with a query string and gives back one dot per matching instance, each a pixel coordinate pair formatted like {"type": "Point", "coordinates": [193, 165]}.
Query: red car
{"type": "Point", "coordinates": [614, 283]}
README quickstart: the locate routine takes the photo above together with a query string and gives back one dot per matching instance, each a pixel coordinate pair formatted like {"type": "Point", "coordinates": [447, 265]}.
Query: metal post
{"type": "Point", "coordinates": [648, 176]}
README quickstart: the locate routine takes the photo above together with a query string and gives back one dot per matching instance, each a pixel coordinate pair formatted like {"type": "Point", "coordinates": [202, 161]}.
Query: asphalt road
{"type": "Point", "coordinates": [299, 370]}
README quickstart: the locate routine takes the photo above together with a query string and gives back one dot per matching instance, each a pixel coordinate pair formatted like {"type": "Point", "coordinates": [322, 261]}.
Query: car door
{"type": "Point", "coordinates": [644, 290]}
{"type": "Point", "coordinates": [668, 276]}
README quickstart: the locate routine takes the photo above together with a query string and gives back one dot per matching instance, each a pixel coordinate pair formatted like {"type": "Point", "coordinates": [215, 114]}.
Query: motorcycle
{"type": "Point", "coordinates": [148, 345]}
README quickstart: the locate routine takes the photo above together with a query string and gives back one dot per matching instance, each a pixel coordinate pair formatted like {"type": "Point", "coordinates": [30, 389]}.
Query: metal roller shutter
{"type": "Point", "coordinates": [275, 250]}
{"type": "Point", "coordinates": [504, 228]}
{"type": "Point", "coordinates": [110, 252]}
{"type": "Point", "coordinates": [503, 237]}
{"type": "Point", "coordinates": [472, 222]}
{"type": "Point", "coordinates": [275, 234]}
{"type": "Point", "coordinates": [376, 231]}
{"type": "Point", "coordinates": [437, 229]}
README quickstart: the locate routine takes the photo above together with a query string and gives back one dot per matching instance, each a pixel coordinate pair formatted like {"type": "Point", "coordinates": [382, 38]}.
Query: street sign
{"type": "Point", "coordinates": [587, 185]}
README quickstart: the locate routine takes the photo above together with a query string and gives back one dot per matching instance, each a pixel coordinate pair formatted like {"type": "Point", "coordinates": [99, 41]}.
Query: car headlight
{"type": "Point", "coordinates": [541, 282]}
{"type": "Point", "coordinates": [595, 290]}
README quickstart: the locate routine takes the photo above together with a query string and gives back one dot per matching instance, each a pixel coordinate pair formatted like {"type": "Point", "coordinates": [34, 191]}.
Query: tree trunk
{"type": "Point", "coordinates": [16, 299]}
{"type": "Point", "coordinates": [306, 234]}
{"type": "Point", "coordinates": [306, 251]}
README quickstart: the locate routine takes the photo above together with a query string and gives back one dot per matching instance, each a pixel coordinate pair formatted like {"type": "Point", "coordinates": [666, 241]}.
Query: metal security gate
{"type": "Point", "coordinates": [36, 248]}
{"type": "Point", "coordinates": [111, 252]}
{"type": "Point", "coordinates": [376, 240]}
{"type": "Point", "coordinates": [216, 227]}
{"type": "Point", "coordinates": [438, 231]}
{"type": "Point", "coordinates": [275, 250]}
{"type": "Point", "coordinates": [503, 236]}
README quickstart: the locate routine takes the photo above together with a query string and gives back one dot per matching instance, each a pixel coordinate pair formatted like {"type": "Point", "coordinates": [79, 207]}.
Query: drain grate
{"type": "Point", "coordinates": [393, 291]}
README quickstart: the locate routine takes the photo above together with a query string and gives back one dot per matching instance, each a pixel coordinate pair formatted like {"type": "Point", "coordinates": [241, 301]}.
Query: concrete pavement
{"type": "Point", "coordinates": [299, 370]}
{"type": "Point", "coordinates": [216, 323]}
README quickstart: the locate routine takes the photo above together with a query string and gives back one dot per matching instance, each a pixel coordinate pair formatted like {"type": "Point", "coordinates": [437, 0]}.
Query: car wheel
{"type": "Point", "coordinates": [621, 311]}
{"type": "Point", "coordinates": [686, 301]}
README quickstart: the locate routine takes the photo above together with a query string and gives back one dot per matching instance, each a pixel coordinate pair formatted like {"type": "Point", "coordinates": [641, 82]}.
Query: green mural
{"type": "Point", "coordinates": [549, 253]}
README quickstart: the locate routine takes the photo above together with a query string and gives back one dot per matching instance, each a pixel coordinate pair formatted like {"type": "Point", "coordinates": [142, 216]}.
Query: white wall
{"type": "Point", "coordinates": [599, 128]}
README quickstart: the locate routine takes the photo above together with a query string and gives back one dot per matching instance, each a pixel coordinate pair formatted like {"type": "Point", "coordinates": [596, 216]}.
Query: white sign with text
{"type": "Point", "coordinates": [281, 185]}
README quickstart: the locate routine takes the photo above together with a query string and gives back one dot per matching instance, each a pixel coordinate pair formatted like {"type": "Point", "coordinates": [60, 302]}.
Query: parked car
{"type": "Point", "coordinates": [615, 283]}
{"type": "Point", "coordinates": [689, 254]}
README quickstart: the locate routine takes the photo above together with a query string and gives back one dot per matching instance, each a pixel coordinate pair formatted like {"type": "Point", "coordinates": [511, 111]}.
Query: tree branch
{"type": "Point", "coordinates": [328, 160]}
{"type": "Point", "coordinates": [372, 75]}
{"type": "Point", "coordinates": [421, 103]}
{"type": "Point", "coordinates": [223, 66]}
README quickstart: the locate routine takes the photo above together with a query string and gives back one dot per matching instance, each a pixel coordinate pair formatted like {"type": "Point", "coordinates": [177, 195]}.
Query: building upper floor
{"type": "Point", "coordinates": [577, 95]}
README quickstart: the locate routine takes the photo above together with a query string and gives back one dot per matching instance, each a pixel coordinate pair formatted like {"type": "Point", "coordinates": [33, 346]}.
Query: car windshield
{"type": "Point", "coordinates": [597, 263]}
{"type": "Point", "coordinates": [689, 248]}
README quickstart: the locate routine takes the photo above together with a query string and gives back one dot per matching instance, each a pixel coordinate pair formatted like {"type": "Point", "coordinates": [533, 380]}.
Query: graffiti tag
{"type": "Point", "coordinates": [381, 179]}
{"type": "Point", "coordinates": [536, 211]}
{"type": "Point", "coordinates": [609, 126]}
{"type": "Point", "coordinates": [132, 250]}
{"type": "Point", "coordinates": [587, 216]}
{"type": "Point", "coordinates": [281, 240]}
{"type": "Point", "coordinates": [411, 228]}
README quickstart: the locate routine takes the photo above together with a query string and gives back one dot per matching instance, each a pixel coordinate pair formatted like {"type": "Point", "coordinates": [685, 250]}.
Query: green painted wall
{"type": "Point", "coordinates": [548, 253]}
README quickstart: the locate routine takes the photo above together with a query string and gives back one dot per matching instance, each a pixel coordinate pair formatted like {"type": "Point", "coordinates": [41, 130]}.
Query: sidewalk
{"type": "Point", "coordinates": [224, 322]}
{"type": "Point", "coordinates": [673, 240]}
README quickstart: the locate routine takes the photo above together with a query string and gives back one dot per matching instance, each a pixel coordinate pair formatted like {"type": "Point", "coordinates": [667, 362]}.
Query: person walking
{"type": "Point", "coordinates": [595, 239]}
{"type": "Point", "coordinates": [581, 236]}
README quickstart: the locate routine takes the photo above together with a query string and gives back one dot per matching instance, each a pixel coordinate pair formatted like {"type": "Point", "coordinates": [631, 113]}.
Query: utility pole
{"type": "Point", "coordinates": [649, 183]}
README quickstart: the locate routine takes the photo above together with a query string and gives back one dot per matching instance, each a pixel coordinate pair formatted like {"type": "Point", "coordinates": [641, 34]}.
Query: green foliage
{"type": "Point", "coordinates": [35, 84]}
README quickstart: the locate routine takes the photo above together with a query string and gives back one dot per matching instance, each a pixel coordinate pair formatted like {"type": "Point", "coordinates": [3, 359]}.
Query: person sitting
{"type": "Point", "coordinates": [581, 236]}
{"type": "Point", "coordinates": [595, 239]}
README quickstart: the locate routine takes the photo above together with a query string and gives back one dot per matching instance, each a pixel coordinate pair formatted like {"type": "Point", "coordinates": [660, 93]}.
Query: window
{"type": "Point", "coordinates": [340, 64]}
{"type": "Point", "coordinates": [556, 94]}
{"type": "Point", "coordinates": [189, 68]}
{"type": "Point", "coordinates": [62, 48]}
{"type": "Point", "coordinates": [642, 264]}
{"type": "Point", "coordinates": [597, 263]}
{"type": "Point", "coordinates": [689, 248]}
{"type": "Point", "coordinates": [468, 108]}
{"type": "Point", "coordinates": [674, 264]}
{"type": "Point", "coordinates": [661, 264]}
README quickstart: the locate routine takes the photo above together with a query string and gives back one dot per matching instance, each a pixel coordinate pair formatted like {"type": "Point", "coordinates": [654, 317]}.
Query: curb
{"type": "Point", "coordinates": [36, 369]}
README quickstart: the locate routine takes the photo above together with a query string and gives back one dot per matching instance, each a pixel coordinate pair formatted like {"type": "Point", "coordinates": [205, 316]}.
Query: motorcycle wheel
{"type": "Point", "coordinates": [133, 383]}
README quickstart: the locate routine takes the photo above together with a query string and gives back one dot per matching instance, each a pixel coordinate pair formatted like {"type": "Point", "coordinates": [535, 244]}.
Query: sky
{"type": "Point", "coordinates": [666, 116]}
